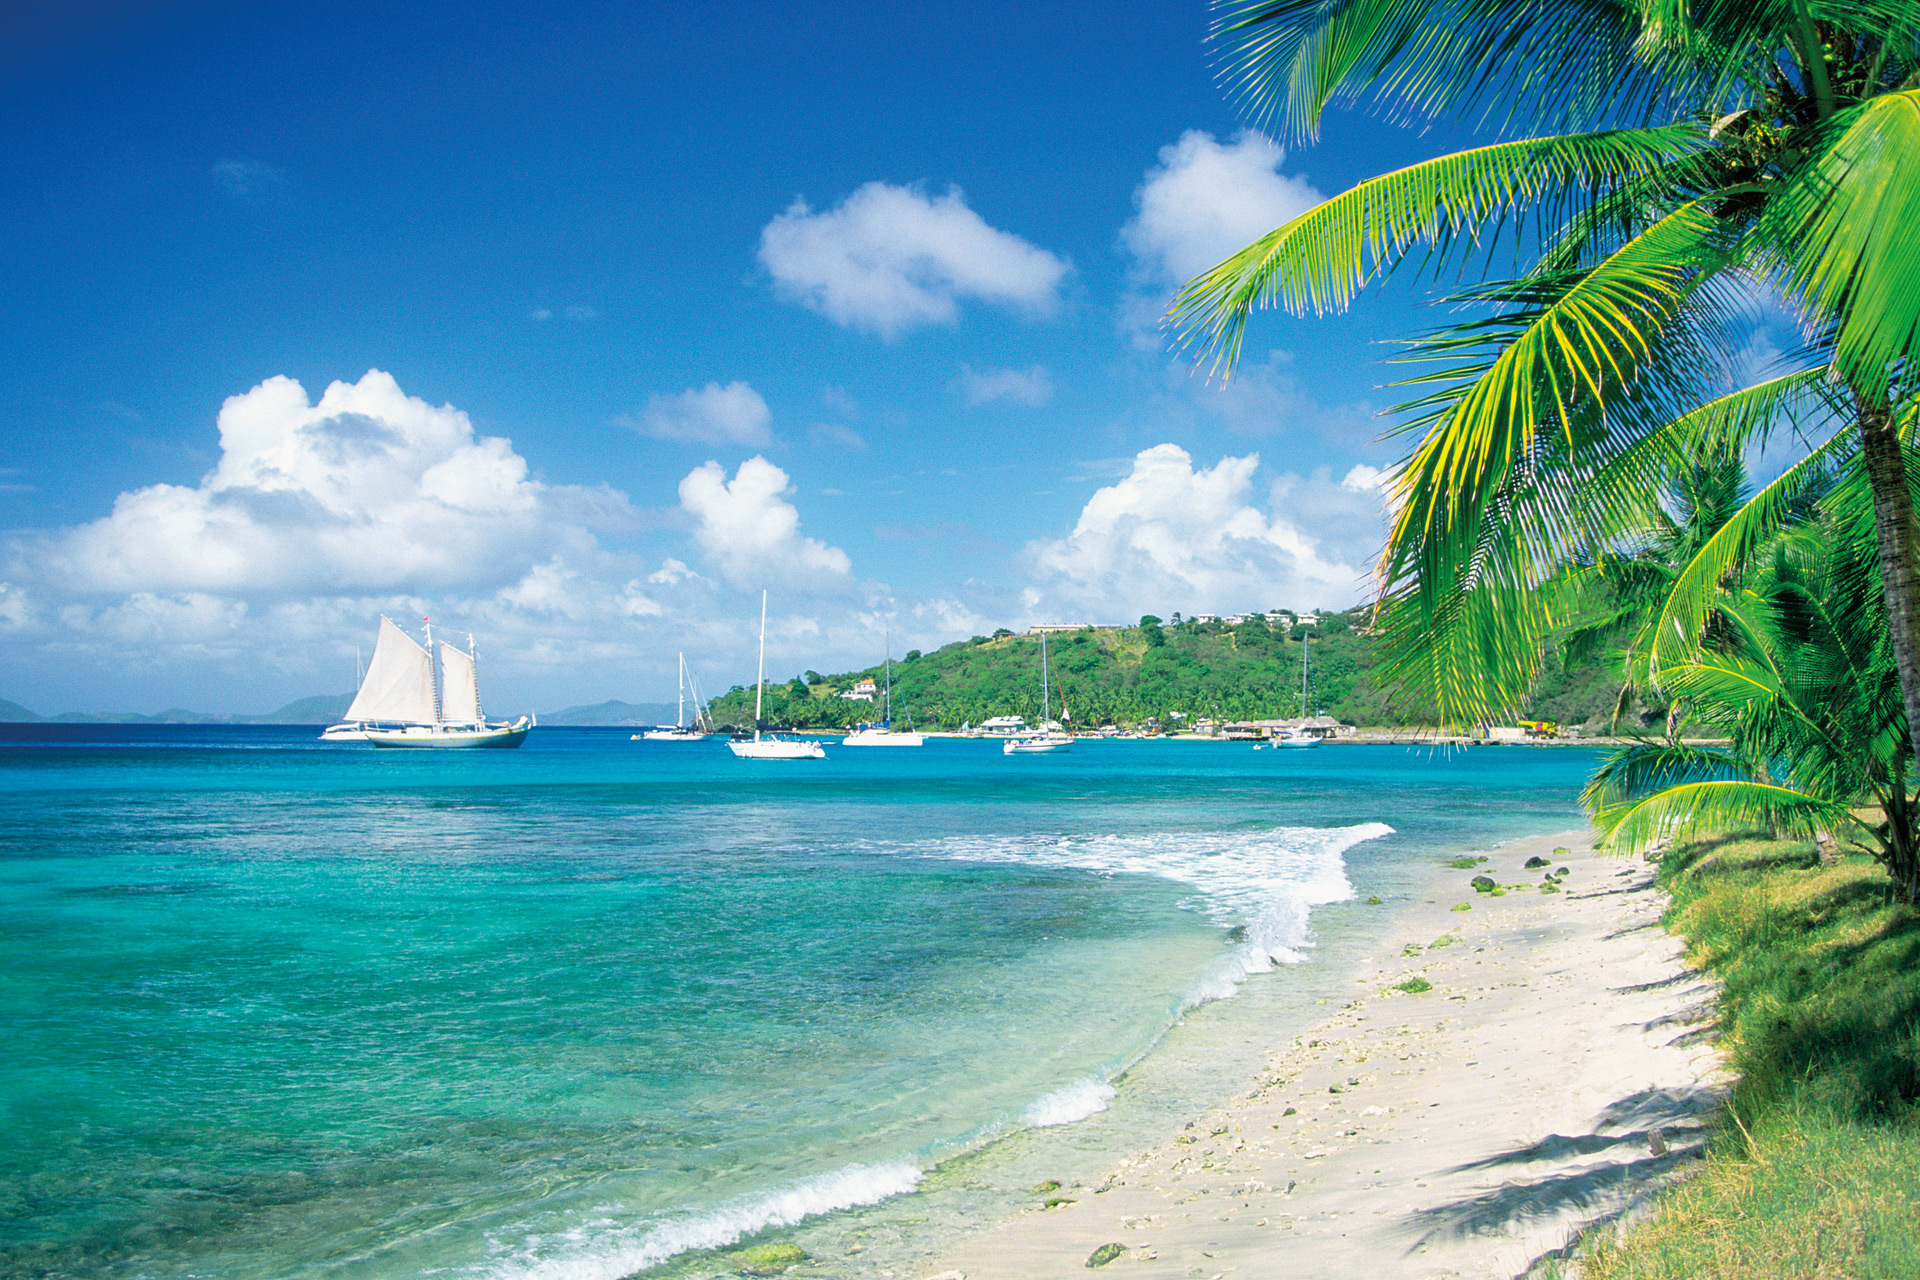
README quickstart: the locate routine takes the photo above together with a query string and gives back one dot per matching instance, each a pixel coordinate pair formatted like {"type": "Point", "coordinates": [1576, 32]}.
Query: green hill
{"type": "Point", "coordinates": [14, 713]}
{"type": "Point", "coordinates": [1169, 674]}
{"type": "Point", "coordinates": [1124, 675]}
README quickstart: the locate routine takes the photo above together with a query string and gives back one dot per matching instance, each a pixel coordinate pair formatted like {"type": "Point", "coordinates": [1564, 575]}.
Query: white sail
{"type": "Point", "coordinates": [399, 681]}
{"type": "Point", "coordinates": [459, 687]}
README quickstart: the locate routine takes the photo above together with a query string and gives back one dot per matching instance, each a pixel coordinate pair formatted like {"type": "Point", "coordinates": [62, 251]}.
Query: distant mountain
{"type": "Point", "coordinates": [323, 709]}
{"type": "Point", "coordinates": [14, 713]}
{"type": "Point", "coordinates": [613, 712]}
{"type": "Point", "coordinates": [173, 715]}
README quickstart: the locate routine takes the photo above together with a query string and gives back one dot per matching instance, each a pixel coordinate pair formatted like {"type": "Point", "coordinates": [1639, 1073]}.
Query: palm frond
{"type": "Point", "coordinates": [1693, 809]}
{"type": "Point", "coordinates": [1318, 261]}
{"type": "Point", "coordinates": [1677, 625]}
{"type": "Point", "coordinates": [1644, 768]}
{"type": "Point", "coordinates": [1849, 230]}
{"type": "Point", "coordinates": [1553, 64]}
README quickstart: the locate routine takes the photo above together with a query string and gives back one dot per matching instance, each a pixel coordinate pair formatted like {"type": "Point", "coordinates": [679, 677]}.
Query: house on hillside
{"type": "Point", "coordinates": [861, 692]}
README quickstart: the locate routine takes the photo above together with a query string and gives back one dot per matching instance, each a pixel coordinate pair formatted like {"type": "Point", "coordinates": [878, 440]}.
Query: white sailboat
{"type": "Point", "coordinates": [1049, 737]}
{"type": "Point", "coordinates": [1299, 739]}
{"type": "Point", "coordinates": [679, 730]}
{"type": "Point", "coordinates": [401, 705]}
{"type": "Point", "coordinates": [766, 748]}
{"type": "Point", "coordinates": [884, 734]}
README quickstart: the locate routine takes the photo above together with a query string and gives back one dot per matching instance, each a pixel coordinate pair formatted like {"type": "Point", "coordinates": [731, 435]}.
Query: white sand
{"type": "Point", "coordinates": [1464, 1131]}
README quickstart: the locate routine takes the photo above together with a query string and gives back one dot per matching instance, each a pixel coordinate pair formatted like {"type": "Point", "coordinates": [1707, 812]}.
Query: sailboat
{"type": "Point", "coordinates": [884, 734]}
{"type": "Point", "coordinates": [401, 705]}
{"type": "Point", "coordinates": [765, 748]}
{"type": "Point", "coordinates": [1048, 737]}
{"type": "Point", "coordinates": [1299, 739]}
{"type": "Point", "coordinates": [679, 730]}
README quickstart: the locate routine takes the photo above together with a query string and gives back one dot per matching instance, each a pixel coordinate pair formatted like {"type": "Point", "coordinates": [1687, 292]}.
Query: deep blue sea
{"type": "Point", "coordinates": [278, 1009]}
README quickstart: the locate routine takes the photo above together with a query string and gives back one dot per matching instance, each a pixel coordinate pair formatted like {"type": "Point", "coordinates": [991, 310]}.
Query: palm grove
{"type": "Point", "coordinates": [1577, 428]}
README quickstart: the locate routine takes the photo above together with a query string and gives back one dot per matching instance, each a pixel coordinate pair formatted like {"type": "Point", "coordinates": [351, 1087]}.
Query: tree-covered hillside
{"type": "Point", "coordinates": [1122, 676]}
{"type": "Point", "coordinates": [1167, 673]}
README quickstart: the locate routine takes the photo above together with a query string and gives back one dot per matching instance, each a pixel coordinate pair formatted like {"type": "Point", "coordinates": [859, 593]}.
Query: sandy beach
{"type": "Point", "coordinates": [1465, 1130]}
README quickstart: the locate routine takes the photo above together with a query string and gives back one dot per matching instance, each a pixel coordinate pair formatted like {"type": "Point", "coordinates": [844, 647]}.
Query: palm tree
{"type": "Point", "coordinates": [1688, 155]}
{"type": "Point", "coordinates": [1629, 582]}
{"type": "Point", "coordinates": [1801, 681]}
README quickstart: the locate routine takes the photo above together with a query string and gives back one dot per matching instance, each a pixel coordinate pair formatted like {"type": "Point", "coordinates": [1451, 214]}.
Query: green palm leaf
{"type": "Point", "coordinates": [1849, 233]}
{"type": "Point", "coordinates": [1553, 63]}
{"type": "Point", "coordinates": [1695, 809]}
{"type": "Point", "coordinates": [1318, 261]}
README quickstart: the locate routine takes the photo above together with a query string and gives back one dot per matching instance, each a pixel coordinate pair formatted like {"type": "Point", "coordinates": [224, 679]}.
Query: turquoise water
{"type": "Point", "coordinates": [279, 1009]}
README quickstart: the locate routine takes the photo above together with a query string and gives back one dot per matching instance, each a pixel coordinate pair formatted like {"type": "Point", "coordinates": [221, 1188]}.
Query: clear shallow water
{"type": "Point", "coordinates": [278, 1009]}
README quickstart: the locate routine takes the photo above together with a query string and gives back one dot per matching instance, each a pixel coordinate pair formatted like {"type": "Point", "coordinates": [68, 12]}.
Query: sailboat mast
{"type": "Point", "coordinates": [1303, 677]}
{"type": "Point", "coordinates": [760, 681]}
{"type": "Point", "coordinates": [888, 722]}
{"type": "Point", "coordinates": [433, 670]}
{"type": "Point", "coordinates": [1046, 713]}
{"type": "Point", "coordinates": [680, 720]}
{"type": "Point", "coordinates": [473, 674]}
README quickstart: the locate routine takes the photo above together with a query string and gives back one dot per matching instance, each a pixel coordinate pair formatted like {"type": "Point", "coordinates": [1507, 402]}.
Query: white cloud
{"type": "Point", "coordinates": [369, 490]}
{"type": "Point", "coordinates": [1206, 200]}
{"type": "Point", "coordinates": [1033, 387]}
{"type": "Point", "coordinates": [889, 259]}
{"type": "Point", "coordinates": [749, 531]}
{"type": "Point", "coordinates": [1170, 537]}
{"type": "Point", "coordinates": [713, 414]}
{"type": "Point", "coordinates": [671, 571]}
{"type": "Point", "coordinates": [255, 586]}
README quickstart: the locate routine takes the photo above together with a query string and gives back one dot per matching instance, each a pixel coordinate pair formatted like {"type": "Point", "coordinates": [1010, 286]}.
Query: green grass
{"type": "Point", "coordinates": [1814, 1170]}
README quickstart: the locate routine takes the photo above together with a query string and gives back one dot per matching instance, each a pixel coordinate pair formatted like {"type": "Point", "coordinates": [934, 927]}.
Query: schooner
{"type": "Point", "coordinates": [400, 704]}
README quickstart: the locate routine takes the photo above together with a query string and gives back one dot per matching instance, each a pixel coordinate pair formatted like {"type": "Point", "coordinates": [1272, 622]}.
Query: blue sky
{"type": "Point", "coordinates": [667, 304]}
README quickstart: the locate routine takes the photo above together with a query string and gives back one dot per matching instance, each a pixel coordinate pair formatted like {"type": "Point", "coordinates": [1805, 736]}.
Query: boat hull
{"type": "Point", "coordinates": [882, 738]}
{"type": "Point", "coordinates": [1037, 745]}
{"type": "Point", "coordinates": [1302, 742]}
{"type": "Point", "coordinates": [778, 749]}
{"type": "Point", "coordinates": [669, 735]}
{"type": "Point", "coordinates": [348, 732]}
{"type": "Point", "coordinates": [437, 738]}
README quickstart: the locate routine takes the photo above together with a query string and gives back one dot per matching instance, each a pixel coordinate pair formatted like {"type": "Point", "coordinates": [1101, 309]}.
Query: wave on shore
{"type": "Point", "coordinates": [608, 1250]}
{"type": "Point", "coordinates": [1264, 885]}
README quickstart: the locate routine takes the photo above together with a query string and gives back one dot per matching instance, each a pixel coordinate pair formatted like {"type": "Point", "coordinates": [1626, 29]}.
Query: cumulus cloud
{"type": "Point", "coordinates": [254, 586]}
{"type": "Point", "coordinates": [368, 490]}
{"type": "Point", "coordinates": [1205, 200]}
{"type": "Point", "coordinates": [1169, 536]}
{"type": "Point", "coordinates": [713, 414]}
{"type": "Point", "coordinates": [750, 533]}
{"type": "Point", "coordinates": [1032, 387]}
{"type": "Point", "coordinates": [890, 259]}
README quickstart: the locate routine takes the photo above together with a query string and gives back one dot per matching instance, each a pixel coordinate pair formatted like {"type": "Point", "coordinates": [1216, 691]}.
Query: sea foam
{"type": "Point", "coordinates": [1077, 1101]}
{"type": "Point", "coordinates": [1264, 883]}
{"type": "Point", "coordinates": [607, 1250]}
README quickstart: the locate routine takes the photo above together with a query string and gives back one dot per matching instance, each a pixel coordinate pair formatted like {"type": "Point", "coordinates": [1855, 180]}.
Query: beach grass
{"type": "Point", "coordinates": [1812, 1171]}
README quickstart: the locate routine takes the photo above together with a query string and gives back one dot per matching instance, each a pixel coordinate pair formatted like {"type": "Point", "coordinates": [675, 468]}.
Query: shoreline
{"type": "Point", "coordinates": [1466, 1130]}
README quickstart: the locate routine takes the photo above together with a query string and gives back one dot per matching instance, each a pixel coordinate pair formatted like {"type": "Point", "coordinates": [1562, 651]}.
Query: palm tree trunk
{"type": "Point", "coordinates": [1898, 529]}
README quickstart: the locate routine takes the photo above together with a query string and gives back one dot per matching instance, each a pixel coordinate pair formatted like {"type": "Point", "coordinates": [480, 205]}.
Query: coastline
{"type": "Point", "coordinates": [1467, 1130]}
